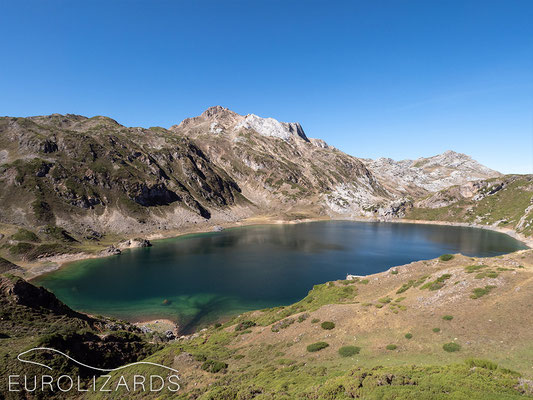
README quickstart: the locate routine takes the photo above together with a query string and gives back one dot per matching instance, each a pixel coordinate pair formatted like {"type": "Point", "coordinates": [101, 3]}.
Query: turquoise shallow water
{"type": "Point", "coordinates": [207, 276]}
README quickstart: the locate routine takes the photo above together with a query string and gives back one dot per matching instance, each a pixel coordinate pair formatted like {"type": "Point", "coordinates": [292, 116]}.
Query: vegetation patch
{"type": "Point", "coordinates": [408, 335]}
{"type": "Point", "coordinates": [396, 308]}
{"type": "Point", "coordinates": [486, 274]}
{"type": "Point", "coordinates": [456, 381]}
{"type": "Point", "coordinates": [391, 347]}
{"type": "Point", "coordinates": [348, 351]}
{"type": "Point", "coordinates": [436, 330]}
{"type": "Point", "coordinates": [477, 363]}
{"type": "Point", "coordinates": [328, 325]}
{"type": "Point", "coordinates": [214, 366]}
{"type": "Point", "coordinates": [24, 235]}
{"type": "Point", "coordinates": [474, 268]}
{"type": "Point", "coordinates": [399, 299]}
{"type": "Point", "coordinates": [21, 248]}
{"type": "Point", "coordinates": [282, 324]}
{"type": "Point", "coordinates": [479, 292]}
{"type": "Point", "coordinates": [451, 347]}
{"type": "Point", "coordinates": [244, 325]}
{"type": "Point", "coordinates": [447, 317]}
{"type": "Point", "coordinates": [303, 317]}
{"type": "Point", "coordinates": [437, 283]}
{"type": "Point", "coordinates": [317, 346]}
{"type": "Point", "coordinates": [446, 257]}
{"type": "Point", "coordinates": [411, 283]}
{"type": "Point", "coordinates": [58, 233]}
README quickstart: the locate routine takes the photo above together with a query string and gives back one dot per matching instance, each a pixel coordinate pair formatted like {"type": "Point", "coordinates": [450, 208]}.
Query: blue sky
{"type": "Point", "coordinates": [399, 79]}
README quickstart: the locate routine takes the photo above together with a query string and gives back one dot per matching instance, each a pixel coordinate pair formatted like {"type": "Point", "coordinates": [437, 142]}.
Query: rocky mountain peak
{"type": "Point", "coordinates": [430, 173]}
{"type": "Point", "coordinates": [219, 119]}
{"type": "Point", "coordinates": [218, 111]}
{"type": "Point", "coordinates": [272, 127]}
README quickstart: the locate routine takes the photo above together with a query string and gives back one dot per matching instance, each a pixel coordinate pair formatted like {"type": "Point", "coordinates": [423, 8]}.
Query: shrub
{"type": "Point", "coordinates": [328, 325]}
{"type": "Point", "coordinates": [303, 317]}
{"type": "Point", "coordinates": [487, 274]}
{"type": "Point", "coordinates": [447, 317]}
{"type": "Point", "coordinates": [411, 283]}
{"type": "Point", "coordinates": [214, 366]}
{"type": "Point", "coordinates": [385, 300]}
{"type": "Point", "coordinates": [474, 268]}
{"type": "Point", "coordinates": [436, 330]}
{"type": "Point", "coordinates": [478, 292]}
{"type": "Point", "coordinates": [437, 283]}
{"type": "Point", "coordinates": [317, 346]}
{"type": "Point", "coordinates": [446, 257]}
{"type": "Point", "coordinates": [391, 347]}
{"type": "Point", "coordinates": [451, 347]}
{"type": "Point", "coordinates": [282, 324]}
{"type": "Point", "coordinates": [242, 326]}
{"type": "Point", "coordinates": [315, 320]}
{"type": "Point", "coordinates": [238, 356]}
{"type": "Point", "coordinates": [348, 351]}
{"type": "Point", "coordinates": [364, 281]}
{"type": "Point", "coordinates": [199, 357]}
{"type": "Point", "coordinates": [408, 335]}
{"type": "Point", "coordinates": [399, 299]}
{"type": "Point", "coordinates": [218, 325]}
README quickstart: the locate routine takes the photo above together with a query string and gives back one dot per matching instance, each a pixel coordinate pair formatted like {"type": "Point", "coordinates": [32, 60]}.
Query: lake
{"type": "Point", "coordinates": [198, 279]}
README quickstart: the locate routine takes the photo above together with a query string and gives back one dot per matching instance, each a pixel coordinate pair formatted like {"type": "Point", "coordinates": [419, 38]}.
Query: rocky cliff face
{"type": "Point", "coordinates": [93, 176]}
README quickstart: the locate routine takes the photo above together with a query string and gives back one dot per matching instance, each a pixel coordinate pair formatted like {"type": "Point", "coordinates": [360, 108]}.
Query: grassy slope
{"type": "Point", "coordinates": [25, 324]}
{"type": "Point", "coordinates": [505, 208]}
{"type": "Point", "coordinates": [269, 360]}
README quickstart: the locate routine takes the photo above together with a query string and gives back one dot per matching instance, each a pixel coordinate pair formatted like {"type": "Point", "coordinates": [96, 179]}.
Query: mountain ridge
{"type": "Point", "coordinates": [95, 178]}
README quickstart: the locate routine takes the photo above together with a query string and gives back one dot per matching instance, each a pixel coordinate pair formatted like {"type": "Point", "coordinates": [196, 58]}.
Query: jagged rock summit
{"type": "Point", "coordinates": [223, 120]}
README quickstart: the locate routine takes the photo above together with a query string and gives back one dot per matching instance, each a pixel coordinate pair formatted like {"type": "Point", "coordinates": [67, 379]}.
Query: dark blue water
{"type": "Point", "coordinates": [205, 276]}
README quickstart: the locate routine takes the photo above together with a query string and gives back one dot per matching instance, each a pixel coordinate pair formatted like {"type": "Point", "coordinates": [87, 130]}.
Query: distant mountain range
{"type": "Point", "coordinates": [93, 176]}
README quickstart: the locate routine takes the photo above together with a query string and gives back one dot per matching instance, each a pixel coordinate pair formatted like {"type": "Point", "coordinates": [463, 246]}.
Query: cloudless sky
{"type": "Point", "coordinates": [399, 79]}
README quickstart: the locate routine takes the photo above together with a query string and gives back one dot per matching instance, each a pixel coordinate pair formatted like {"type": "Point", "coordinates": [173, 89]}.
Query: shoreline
{"type": "Point", "coordinates": [30, 273]}
{"type": "Point", "coordinates": [507, 231]}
